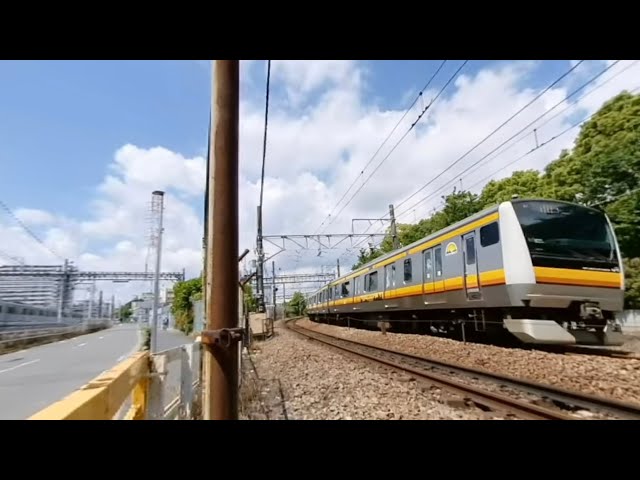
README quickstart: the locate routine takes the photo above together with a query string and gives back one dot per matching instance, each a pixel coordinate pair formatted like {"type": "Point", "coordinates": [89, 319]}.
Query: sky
{"type": "Point", "coordinates": [83, 144]}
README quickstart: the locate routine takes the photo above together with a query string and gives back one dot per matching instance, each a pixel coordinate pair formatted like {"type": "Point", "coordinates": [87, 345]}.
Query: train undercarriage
{"type": "Point", "coordinates": [581, 324]}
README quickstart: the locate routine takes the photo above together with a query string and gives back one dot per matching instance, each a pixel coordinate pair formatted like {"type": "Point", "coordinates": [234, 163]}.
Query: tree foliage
{"type": "Point", "coordinates": [297, 305]}
{"type": "Point", "coordinates": [602, 169]}
{"type": "Point", "coordinates": [125, 312]}
{"type": "Point", "coordinates": [250, 301]}
{"type": "Point", "coordinates": [182, 307]}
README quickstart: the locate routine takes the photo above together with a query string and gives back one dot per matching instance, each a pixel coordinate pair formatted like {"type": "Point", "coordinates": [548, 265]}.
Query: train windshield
{"type": "Point", "coordinates": [566, 235]}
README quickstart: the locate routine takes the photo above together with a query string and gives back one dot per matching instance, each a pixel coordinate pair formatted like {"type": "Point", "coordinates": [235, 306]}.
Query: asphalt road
{"type": "Point", "coordinates": [34, 378]}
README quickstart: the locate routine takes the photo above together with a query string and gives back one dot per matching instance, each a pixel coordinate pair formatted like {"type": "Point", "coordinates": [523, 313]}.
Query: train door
{"type": "Point", "coordinates": [427, 273]}
{"type": "Point", "coordinates": [470, 259]}
{"type": "Point", "coordinates": [389, 280]}
{"type": "Point", "coordinates": [432, 276]}
{"type": "Point", "coordinates": [438, 275]}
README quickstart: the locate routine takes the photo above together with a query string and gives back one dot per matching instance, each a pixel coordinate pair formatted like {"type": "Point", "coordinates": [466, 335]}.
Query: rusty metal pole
{"type": "Point", "coordinates": [221, 356]}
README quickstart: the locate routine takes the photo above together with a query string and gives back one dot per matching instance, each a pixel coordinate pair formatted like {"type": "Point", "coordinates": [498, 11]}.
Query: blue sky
{"type": "Point", "coordinates": [85, 143]}
{"type": "Point", "coordinates": [61, 121]}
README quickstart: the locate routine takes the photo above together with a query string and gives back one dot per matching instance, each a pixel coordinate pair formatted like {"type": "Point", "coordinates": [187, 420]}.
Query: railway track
{"type": "Point", "coordinates": [484, 389]}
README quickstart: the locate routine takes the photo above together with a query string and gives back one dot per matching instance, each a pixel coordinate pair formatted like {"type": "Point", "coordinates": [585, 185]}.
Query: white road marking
{"type": "Point", "coordinates": [80, 345]}
{"type": "Point", "coordinates": [100, 338]}
{"type": "Point", "coordinates": [21, 365]}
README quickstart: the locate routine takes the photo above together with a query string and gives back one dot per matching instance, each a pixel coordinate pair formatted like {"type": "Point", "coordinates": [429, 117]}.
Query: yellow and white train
{"type": "Point", "coordinates": [548, 272]}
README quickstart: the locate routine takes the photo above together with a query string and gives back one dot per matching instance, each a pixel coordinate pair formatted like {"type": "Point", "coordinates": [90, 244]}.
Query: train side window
{"type": "Point", "coordinates": [428, 265]}
{"type": "Point", "coordinates": [489, 234]}
{"type": "Point", "coordinates": [390, 276]}
{"type": "Point", "coordinates": [438, 261]}
{"type": "Point", "coordinates": [373, 282]}
{"type": "Point", "coordinates": [345, 289]}
{"type": "Point", "coordinates": [471, 251]}
{"type": "Point", "coordinates": [408, 270]}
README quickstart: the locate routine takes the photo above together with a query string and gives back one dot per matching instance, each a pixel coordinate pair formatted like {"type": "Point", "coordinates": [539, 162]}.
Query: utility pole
{"type": "Point", "coordinates": [63, 290]}
{"type": "Point", "coordinates": [220, 390]}
{"type": "Point", "coordinates": [93, 291]}
{"type": "Point", "coordinates": [260, 247]}
{"type": "Point", "coordinates": [394, 232]}
{"type": "Point", "coordinates": [157, 209]}
{"type": "Point", "coordinates": [113, 307]}
{"type": "Point", "coordinates": [338, 264]}
{"type": "Point", "coordinates": [260, 265]}
{"type": "Point", "coordinates": [273, 277]}
{"type": "Point", "coordinates": [100, 304]}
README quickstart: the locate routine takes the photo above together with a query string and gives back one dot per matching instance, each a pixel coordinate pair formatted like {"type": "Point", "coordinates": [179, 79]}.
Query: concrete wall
{"type": "Point", "coordinates": [630, 320]}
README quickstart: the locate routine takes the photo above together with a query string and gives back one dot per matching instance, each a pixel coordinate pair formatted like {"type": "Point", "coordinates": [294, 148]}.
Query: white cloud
{"type": "Point", "coordinates": [33, 216]}
{"type": "Point", "coordinates": [322, 132]}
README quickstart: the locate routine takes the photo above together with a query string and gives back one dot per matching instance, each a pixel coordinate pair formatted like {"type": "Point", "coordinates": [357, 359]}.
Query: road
{"type": "Point", "coordinates": [34, 378]}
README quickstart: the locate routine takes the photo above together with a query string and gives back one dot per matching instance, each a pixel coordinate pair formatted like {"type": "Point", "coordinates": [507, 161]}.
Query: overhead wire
{"type": "Point", "coordinates": [11, 258]}
{"type": "Point", "coordinates": [419, 96]}
{"type": "Point", "coordinates": [399, 141]}
{"type": "Point", "coordinates": [555, 82]}
{"type": "Point", "coordinates": [549, 87]}
{"type": "Point", "coordinates": [266, 125]}
{"type": "Point", "coordinates": [592, 79]}
{"type": "Point", "coordinates": [28, 230]}
{"type": "Point", "coordinates": [460, 175]}
{"type": "Point", "coordinates": [578, 124]}
{"type": "Point", "coordinates": [531, 151]}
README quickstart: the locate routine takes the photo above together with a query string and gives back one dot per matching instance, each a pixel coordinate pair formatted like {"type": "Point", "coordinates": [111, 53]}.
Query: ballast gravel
{"type": "Point", "coordinates": [289, 377]}
{"type": "Point", "coordinates": [617, 378]}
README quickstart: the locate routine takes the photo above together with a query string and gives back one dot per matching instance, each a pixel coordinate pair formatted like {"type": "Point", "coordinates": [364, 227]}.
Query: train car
{"type": "Point", "coordinates": [546, 271]}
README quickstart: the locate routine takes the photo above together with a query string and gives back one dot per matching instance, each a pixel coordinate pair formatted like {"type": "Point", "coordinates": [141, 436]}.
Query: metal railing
{"type": "Point", "coordinates": [13, 335]}
{"type": "Point", "coordinates": [160, 386]}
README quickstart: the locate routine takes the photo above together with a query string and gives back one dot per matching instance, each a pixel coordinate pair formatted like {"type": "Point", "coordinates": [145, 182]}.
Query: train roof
{"type": "Point", "coordinates": [476, 216]}
{"type": "Point", "coordinates": [386, 256]}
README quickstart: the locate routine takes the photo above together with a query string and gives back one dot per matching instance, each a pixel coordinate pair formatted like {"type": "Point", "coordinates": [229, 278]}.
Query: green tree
{"type": "Point", "coordinates": [182, 307]}
{"type": "Point", "coordinates": [524, 183]}
{"type": "Point", "coordinates": [603, 168]}
{"type": "Point", "coordinates": [297, 305]}
{"type": "Point", "coordinates": [366, 255]}
{"type": "Point", "coordinates": [251, 302]}
{"type": "Point", "coordinates": [125, 312]}
{"type": "Point", "coordinates": [603, 165]}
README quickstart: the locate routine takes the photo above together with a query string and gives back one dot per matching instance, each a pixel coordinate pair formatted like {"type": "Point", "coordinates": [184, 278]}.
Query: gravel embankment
{"type": "Point", "coordinates": [611, 377]}
{"type": "Point", "coordinates": [318, 383]}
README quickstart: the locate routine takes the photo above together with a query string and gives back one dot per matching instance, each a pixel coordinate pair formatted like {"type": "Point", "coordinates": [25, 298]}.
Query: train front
{"type": "Point", "coordinates": [570, 256]}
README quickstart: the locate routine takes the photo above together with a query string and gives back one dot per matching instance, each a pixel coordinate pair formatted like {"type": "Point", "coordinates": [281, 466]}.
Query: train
{"type": "Point", "coordinates": [537, 271]}
{"type": "Point", "coordinates": [13, 314]}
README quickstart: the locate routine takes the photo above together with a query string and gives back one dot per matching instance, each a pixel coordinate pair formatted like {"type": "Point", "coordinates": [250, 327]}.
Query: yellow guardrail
{"type": "Point", "coordinates": [103, 397]}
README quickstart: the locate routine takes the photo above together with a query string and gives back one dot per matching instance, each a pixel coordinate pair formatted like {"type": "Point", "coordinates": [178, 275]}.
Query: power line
{"type": "Point", "coordinates": [487, 137]}
{"type": "Point", "coordinates": [28, 230]}
{"type": "Point", "coordinates": [383, 143]}
{"type": "Point", "coordinates": [11, 258]}
{"type": "Point", "coordinates": [570, 105]}
{"type": "Point", "coordinates": [537, 147]}
{"type": "Point", "coordinates": [493, 132]}
{"type": "Point", "coordinates": [510, 138]}
{"type": "Point", "coordinates": [464, 173]}
{"type": "Point", "coordinates": [400, 141]}
{"type": "Point", "coordinates": [266, 124]}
